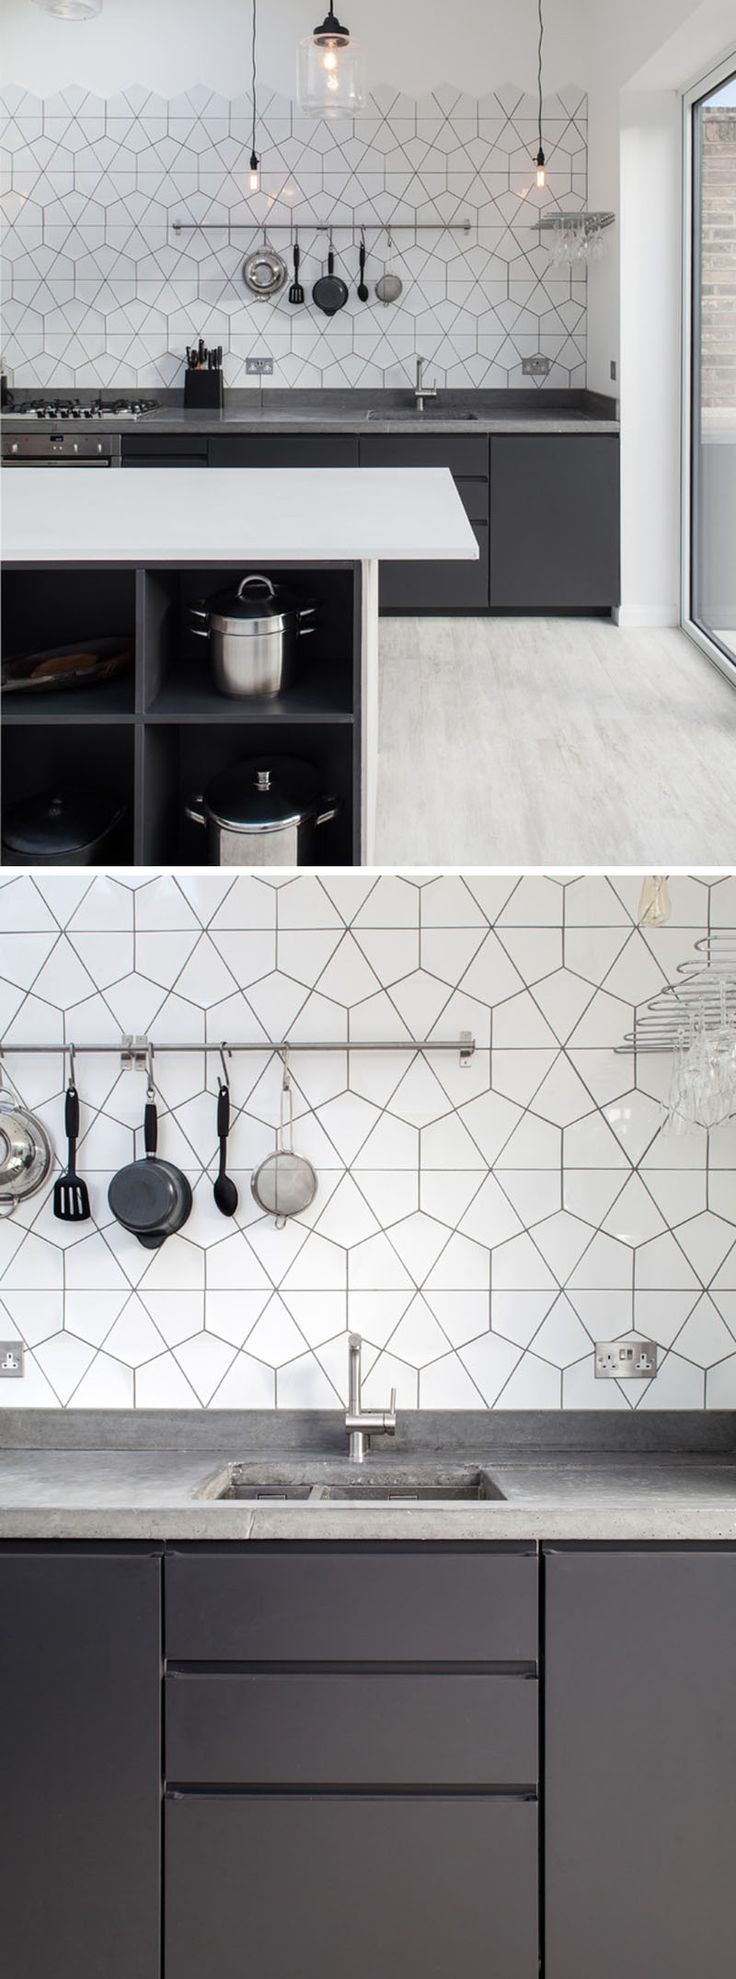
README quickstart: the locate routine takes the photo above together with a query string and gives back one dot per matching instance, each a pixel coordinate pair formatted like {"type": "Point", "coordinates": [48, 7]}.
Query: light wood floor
{"type": "Point", "coordinates": [562, 741]}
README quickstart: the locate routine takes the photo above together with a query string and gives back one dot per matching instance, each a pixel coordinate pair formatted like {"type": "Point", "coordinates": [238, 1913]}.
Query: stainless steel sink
{"type": "Point", "coordinates": [431, 415]}
{"type": "Point", "coordinates": [337, 1482]}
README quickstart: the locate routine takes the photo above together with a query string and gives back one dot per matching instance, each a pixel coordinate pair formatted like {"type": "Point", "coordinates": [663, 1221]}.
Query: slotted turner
{"type": "Point", "coordinates": [71, 1197]}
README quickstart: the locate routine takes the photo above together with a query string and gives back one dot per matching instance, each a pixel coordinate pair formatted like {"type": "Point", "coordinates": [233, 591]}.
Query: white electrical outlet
{"type": "Point", "coordinates": [11, 1360]}
{"type": "Point", "coordinates": [625, 1360]}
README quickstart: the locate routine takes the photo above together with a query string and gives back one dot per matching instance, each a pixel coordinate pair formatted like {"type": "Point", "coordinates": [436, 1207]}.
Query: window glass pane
{"type": "Point", "coordinates": [713, 601]}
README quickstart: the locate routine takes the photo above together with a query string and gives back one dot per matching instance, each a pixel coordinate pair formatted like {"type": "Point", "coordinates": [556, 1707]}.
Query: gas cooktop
{"type": "Point", "coordinates": [43, 408]}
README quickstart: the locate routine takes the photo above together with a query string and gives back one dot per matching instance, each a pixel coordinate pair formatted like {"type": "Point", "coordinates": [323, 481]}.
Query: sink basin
{"type": "Point", "coordinates": [435, 412]}
{"type": "Point", "coordinates": [337, 1482]}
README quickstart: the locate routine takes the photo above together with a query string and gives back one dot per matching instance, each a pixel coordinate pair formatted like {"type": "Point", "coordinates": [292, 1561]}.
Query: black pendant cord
{"type": "Point", "coordinates": [540, 154]}
{"type": "Point", "coordinates": [254, 160]}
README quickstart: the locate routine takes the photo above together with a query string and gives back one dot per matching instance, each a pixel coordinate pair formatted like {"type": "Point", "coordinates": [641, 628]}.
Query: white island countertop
{"type": "Point", "coordinates": [202, 514]}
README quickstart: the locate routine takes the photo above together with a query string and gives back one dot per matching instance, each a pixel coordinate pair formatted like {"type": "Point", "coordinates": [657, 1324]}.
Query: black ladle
{"type": "Point", "coordinates": [225, 1192]}
{"type": "Point", "coordinates": [363, 290]}
{"type": "Point", "coordinates": [296, 292]}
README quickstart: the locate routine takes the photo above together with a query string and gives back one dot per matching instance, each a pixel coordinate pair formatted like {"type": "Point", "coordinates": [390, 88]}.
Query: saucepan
{"type": "Point", "coordinates": [152, 1198]}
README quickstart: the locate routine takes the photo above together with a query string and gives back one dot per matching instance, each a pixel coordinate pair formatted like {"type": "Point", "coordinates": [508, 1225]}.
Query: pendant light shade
{"type": "Point", "coordinates": [330, 70]}
{"type": "Point", "coordinates": [71, 10]}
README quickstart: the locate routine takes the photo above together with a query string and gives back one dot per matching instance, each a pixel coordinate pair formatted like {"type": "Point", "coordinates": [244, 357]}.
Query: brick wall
{"type": "Point", "coordinates": [719, 257]}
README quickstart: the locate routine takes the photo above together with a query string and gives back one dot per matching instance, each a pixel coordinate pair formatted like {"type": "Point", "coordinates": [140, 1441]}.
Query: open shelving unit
{"type": "Point", "coordinates": [156, 736]}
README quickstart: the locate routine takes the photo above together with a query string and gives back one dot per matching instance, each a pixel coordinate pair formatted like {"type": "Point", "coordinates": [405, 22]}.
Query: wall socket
{"type": "Point", "coordinates": [11, 1360]}
{"type": "Point", "coordinates": [259, 367]}
{"type": "Point", "coordinates": [536, 367]}
{"type": "Point", "coordinates": [625, 1360]}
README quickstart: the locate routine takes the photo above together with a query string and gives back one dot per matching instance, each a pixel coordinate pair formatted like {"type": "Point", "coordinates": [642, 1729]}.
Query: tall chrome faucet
{"type": "Point", "coordinates": [422, 391]}
{"type": "Point", "coordinates": [362, 1423]}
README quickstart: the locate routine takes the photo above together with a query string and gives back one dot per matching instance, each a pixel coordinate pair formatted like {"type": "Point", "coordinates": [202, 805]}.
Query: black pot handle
{"type": "Point", "coordinates": [150, 1127]}
{"type": "Point", "coordinates": [223, 1113]}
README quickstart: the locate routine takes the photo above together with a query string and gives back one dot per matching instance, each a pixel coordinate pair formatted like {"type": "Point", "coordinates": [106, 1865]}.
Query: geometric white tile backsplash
{"type": "Point", "coordinates": [99, 290]}
{"type": "Point", "coordinates": [480, 1226]}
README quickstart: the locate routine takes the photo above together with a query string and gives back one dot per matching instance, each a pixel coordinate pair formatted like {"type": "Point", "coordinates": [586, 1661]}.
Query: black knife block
{"type": "Point", "coordinates": [203, 389]}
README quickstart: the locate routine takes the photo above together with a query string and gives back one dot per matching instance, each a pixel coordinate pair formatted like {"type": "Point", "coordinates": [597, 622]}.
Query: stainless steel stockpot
{"type": "Point", "coordinates": [254, 632]}
{"type": "Point", "coordinates": [265, 811]}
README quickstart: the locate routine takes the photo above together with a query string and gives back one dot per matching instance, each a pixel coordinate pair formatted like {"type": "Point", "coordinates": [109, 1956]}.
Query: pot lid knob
{"type": "Point", "coordinates": [263, 779]}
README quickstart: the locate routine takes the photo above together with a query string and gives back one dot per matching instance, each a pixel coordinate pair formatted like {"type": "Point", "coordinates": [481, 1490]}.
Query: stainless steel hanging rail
{"type": "Point", "coordinates": [134, 1050]}
{"type": "Point", "coordinates": [354, 227]}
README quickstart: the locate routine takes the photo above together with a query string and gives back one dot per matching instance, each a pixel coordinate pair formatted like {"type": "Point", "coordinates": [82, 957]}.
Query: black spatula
{"type": "Point", "coordinates": [71, 1198]}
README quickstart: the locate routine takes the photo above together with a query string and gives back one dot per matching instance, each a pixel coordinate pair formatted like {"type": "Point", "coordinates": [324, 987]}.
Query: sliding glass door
{"type": "Point", "coordinates": [709, 600]}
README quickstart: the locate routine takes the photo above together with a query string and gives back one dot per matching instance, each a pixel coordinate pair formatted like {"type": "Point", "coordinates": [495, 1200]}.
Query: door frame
{"type": "Point", "coordinates": [704, 86]}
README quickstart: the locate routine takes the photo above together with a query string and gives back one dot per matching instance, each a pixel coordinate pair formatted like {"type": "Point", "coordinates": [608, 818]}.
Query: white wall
{"type": "Point", "coordinates": [172, 43]}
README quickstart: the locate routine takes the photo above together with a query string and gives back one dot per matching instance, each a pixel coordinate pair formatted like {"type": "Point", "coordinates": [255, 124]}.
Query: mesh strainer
{"type": "Point", "coordinates": [285, 1183]}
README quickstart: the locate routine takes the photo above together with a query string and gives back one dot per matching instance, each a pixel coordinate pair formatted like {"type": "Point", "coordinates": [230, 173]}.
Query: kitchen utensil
{"type": "Point", "coordinates": [254, 630]}
{"type": "Point", "coordinates": [151, 1198]}
{"type": "Point", "coordinates": [285, 1183]}
{"type": "Point", "coordinates": [71, 1196]}
{"type": "Point", "coordinates": [89, 663]}
{"type": "Point", "coordinates": [389, 285]}
{"type": "Point", "coordinates": [264, 811]}
{"type": "Point", "coordinates": [296, 292]}
{"type": "Point", "coordinates": [60, 827]}
{"type": "Point", "coordinates": [363, 291]}
{"type": "Point", "coordinates": [264, 271]}
{"type": "Point", "coordinates": [225, 1192]}
{"type": "Point", "coordinates": [25, 1150]}
{"type": "Point", "coordinates": [330, 292]}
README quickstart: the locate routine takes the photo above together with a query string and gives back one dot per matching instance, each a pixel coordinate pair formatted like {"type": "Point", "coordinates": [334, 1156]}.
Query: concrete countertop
{"type": "Point", "coordinates": [360, 412]}
{"type": "Point", "coordinates": [147, 1493]}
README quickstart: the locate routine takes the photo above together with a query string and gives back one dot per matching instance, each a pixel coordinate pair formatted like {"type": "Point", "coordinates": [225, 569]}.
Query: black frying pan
{"type": "Point", "coordinates": [151, 1198]}
{"type": "Point", "coordinates": [330, 292]}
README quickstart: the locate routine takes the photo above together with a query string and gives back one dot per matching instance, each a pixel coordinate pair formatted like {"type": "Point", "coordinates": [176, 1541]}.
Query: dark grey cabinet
{"type": "Point", "coordinates": [641, 1764]}
{"type": "Point", "coordinates": [164, 449]}
{"type": "Point", "coordinates": [80, 1795]}
{"type": "Point", "coordinates": [555, 522]}
{"type": "Point", "coordinates": [351, 1761]}
{"type": "Point", "coordinates": [319, 1886]}
{"type": "Point", "coordinates": [437, 587]}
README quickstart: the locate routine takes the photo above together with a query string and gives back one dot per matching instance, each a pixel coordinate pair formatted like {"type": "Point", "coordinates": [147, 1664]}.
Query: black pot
{"type": "Point", "coordinates": [151, 1198]}
{"type": "Point", "coordinates": [60, 828]}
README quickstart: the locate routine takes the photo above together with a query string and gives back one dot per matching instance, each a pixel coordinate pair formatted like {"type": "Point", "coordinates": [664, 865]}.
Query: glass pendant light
{"type": "Point", "coordinates": [330, 70]}
{"type": "Point", "coordinates": [655, 905]}
{"type": "Point", "coordinates": [254, 180]}
{"type": "Point", "coordinates": [541, 160]}
{"type": "Point", "coordinates": [71, 10]}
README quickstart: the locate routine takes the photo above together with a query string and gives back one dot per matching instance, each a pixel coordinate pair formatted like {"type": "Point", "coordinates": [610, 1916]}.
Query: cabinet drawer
{"type": "Point", "coordinates": [157, 450]}
{"type": "Point", "coordinates": [431, 587]}
{"type": "Point", "coordinates": [284, 450]}
{"type": "Point", "coordinates": [474, 495]}
{"type": "Point", "coordinates": [276, 1886]}
{"type": "Point", "coordinates": [462, 453]}
{"type": "Point", "coordinates": [351, 1730]}
{"type": "Point", "coordinates": [282, 1604]}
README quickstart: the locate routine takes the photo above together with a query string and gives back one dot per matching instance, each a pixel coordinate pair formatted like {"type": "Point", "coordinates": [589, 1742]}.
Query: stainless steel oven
{"type": "Point", "coordinates": [51, 449]}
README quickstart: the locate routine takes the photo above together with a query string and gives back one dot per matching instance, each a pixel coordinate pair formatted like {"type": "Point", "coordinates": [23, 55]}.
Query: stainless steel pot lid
{"type": "Point", "coordinates": [256, 605]}
{"type": "Point", "coordinates": [265, 793]}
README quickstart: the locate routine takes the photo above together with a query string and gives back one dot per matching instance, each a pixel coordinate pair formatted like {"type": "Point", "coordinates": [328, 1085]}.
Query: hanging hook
{"type": "Point", "coordinates": [151, 1083]}
{"type": "Point", "coordinates": [70, 1054]}
{"type": "Point", "coordinates": [222, 1049]}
